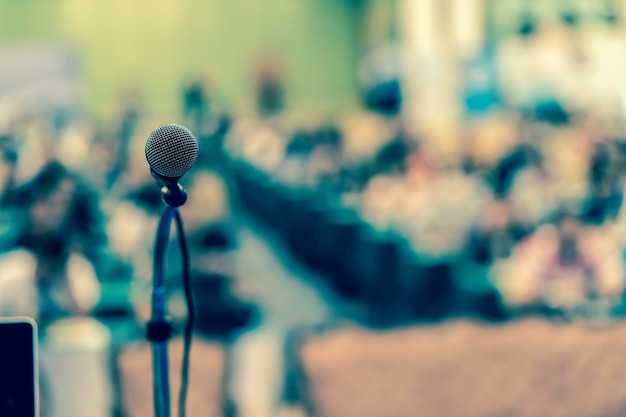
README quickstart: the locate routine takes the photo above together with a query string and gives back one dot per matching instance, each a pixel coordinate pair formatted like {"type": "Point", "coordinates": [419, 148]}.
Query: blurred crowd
{"type": "Point", "coordinates": [524, 193]}
{"type": "Point", "coordinates": [543, 220]}
{"type": "Point", "coordinates": [528, 196]}
{"type": "Point", "coordinates": [528, 199]}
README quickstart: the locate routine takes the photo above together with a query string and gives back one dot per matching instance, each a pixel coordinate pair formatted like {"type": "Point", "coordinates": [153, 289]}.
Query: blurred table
{"type": "Point", "coordinates": [465, 369]}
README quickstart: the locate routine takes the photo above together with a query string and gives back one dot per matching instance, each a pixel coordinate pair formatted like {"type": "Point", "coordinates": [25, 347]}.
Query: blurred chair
{"type": "Point", "coordinates": [384, 284]}
{"type": "Point", "coordinates": [207, 373]}
{"type": "Point", "coordinates": [460, 369]}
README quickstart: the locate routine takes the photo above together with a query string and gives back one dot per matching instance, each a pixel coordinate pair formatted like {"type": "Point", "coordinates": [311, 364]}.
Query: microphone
{"type": "Point", "coordinates": [171, 151]}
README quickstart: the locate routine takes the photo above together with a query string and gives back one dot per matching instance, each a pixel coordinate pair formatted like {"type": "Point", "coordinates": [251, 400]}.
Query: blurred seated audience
{"type": "Point", "coordinates": [605, 195]}
{"type": "Point", "coordinates": [482, 209]}
{"type": "Point", "coordinates": [56, 220]}
{"type": "Point", "coordinates": [564, 267]}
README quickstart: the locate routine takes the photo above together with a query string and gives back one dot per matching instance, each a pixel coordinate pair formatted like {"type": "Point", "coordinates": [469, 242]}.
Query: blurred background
{"type": "Point", "coordinates": [400, 207]}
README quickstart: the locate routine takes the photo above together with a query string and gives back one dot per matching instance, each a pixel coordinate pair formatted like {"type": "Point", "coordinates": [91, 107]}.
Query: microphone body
{"type": "Point", "coordinates": [171, 151]}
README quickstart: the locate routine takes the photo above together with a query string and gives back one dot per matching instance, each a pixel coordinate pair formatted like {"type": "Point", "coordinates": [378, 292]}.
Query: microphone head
{"type": "Point", "coordinates": [171, 150]}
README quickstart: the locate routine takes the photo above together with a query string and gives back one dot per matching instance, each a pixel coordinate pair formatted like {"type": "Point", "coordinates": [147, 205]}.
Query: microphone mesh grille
{"type": "Point", "coordinates": [171, 150]}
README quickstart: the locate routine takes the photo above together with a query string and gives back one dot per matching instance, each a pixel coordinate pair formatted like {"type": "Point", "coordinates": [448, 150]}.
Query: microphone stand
{"type": "Point", "coordinates": [159, 327]}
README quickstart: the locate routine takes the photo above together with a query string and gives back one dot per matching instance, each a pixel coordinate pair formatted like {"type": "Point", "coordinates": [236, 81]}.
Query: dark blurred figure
{"type": "Point", "coordinates": [8, 158]}
{"type": "Point", "coordinates": [570, 274]}
{"type": "Point", "coordinates": [380, 76]}
{"type": "Point", "coordinates": [521, 156]}
{"type": "Point", "coordinates": [209, 124]}
{"type": "Point", "coordinates": [392, 157]}
{"type": "Point", "coordinates": [528, 26]}
{"type": "Point", "coordinates": [326, 158]}
{"type": "Point", "coordinates": [552, 111]}
{"type": "Point", "coordinates": [221, 313]}
{"type": "Point", "coordinates": [495, 236]}
{"type": "Point", "coordinates": [130, 113]}
{"type": "Point", "coordinates": [112, 141]}
{"type": "Point", "coordinates": [570, 19]}
{"type": "Point", "coordinates": [385, 97]}
{"type": "Point", "coordinates": [269, 87]}
{"type": "Point", "coordinates": [56, 217]}
{"type": "Point", "coordinates": [195, 101]}
{"type": "Point", "coordinates": [605, 186]}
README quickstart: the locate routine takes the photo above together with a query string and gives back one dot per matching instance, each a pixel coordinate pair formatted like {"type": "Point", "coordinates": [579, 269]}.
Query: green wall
{"type": "Point", "coordinates": [155, 44]}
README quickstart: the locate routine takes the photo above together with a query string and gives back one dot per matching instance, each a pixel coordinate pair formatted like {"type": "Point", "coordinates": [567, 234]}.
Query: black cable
{"type": "Point", "coordinates": [191, 317]}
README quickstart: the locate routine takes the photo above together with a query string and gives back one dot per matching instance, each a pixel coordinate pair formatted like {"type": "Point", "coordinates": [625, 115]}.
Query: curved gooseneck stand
{"type": "Point", "coordinates": [172, 193]}
{"type": "Point", "coordinates": [159, 327]}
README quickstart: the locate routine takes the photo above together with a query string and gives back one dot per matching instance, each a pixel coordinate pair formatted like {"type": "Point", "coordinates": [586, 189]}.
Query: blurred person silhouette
{"type": "Point", "coordinates": [325, 161]}
{"type": "Point", "coordinates": [389, 192]}
{"type": "Point", "coordinates": [495, 235]}
{"type": "Point", "coordinates": [491, 240]}
{"type": "Point", "coordinates": [8, 164]}
{"type": "Point", "coordinates": [528, 26]}
{"type": "Point", "coordinates": [524, 179]}
{"type": "Point", "coordinates": [392, 158]}
{"type": "Point", "coordinates": [564, 268]}
{"type": "Point", "coordinates": [208, 120]}
{"type": "Point", "coordinates": [195, 101]}
{"type": "Point", "coordinates": [379, 78]}
{"type": "Point", "coordinates": [130, 103]}
{"type": "Point", "coordinates": [257, 142]}
{"type": "Point", "coordinates": [293, 169]}
{"type": "Point", "coordinates": [107, 160]}
{"type": "Point", "coordinates": [572, 275]}
{"type": "Point", "coordinates": [56, 221]}
{"type": "Point", "coordinates": [521, 156]}
{"type": "Point", "coordinates": [270, 88]}
{"type": "Point", "coordinates": [605, 194]}
{"type": "Point", "coordinates": [312, 158]}
{"type": "Point", "coordinates": [222, 311]}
